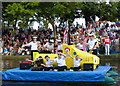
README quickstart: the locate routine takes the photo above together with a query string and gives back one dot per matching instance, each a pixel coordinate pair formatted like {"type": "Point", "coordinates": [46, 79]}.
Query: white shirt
{"type": "Point", "coordinates": [60, 47]}
{"type": "Point", "coordinates": [48, 63]}
{"type": "Point", "coordinates": [114, 28]}
{"type": "Point", "coordinates": [33, 45]}
{"type": "Point", "coordinates": [101, 25]}
{"type": "Point", "coordinates": [1, 50]}
{"type": "Point", "coordinates": [76, 62]}
{"type": "Point", "coordinates": [61, 61]}
{"type": "Point", "coordinates": [91, 43]}
{"type": "Point", "coordinates": [49, 47]}
{"type": "Point", "coordinates": [80, 46]}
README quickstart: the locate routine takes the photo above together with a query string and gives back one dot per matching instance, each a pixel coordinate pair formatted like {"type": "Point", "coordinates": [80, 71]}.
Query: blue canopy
{"type": "Point", "coordinates": [28, 75]}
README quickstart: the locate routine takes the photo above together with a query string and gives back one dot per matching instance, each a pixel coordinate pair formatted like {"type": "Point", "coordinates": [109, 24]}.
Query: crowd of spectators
{"type": "Point", "coordinates": [13, 39]}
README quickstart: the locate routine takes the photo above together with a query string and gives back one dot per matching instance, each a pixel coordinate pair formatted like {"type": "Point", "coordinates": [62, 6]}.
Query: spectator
{"type": "Point", "coordinates": [81, 45]}
{"type": "Point", "coordinates": [16, 37]}
{"type": "Point", "coordinates": [19, 51]}
{"type": "Point", "coordinates": [59, 48]}
{"type": "Point", "coordinates": [49, 46]}
{"type": "Point", "coordinates": [5, 51]}
{"type": "Point", "coordinates": [1, 50]}
{"type": "Point", "coordinates": [106, 42]}
{"type": "Point", "coordinates": [92, 43]}
{"type": "Point", "coordinates": [10, 49]}
{"type": "Point", "coordinates": [117, 22]}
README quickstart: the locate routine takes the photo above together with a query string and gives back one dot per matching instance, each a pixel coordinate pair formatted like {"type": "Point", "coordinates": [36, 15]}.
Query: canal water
{"type": "Point", "coordinates": [8, 64]}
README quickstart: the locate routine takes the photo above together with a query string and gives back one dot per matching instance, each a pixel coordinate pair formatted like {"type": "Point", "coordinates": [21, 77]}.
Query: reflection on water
{"type": "Point", "coordinates": [114, 63]}
{"type": "Point", "coordinates": [8, 64]}
{"type": "Point", "coordinates": [115, 67]}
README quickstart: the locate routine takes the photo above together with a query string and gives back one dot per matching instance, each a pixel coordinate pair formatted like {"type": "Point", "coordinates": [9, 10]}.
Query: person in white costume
{"type": "Point", "coordinates": [48, 64]}
{"type": "Point", "coordinates": [34, 46]}
{"type": "Point", "coordinates": [61, 62]}
{"type": "Point", "coordinates": [77, 61]}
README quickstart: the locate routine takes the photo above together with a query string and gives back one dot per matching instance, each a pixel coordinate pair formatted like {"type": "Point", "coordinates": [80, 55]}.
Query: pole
{"type": "Point", "coordinates": [54, 28]}
{"type": "Point", "coordinates": [69, 36]}
{"type": "Point", "coordinates": [68, 40]}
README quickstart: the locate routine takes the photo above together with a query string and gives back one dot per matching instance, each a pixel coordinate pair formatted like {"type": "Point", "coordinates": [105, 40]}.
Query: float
{"type": "Point", "coordinates": [91, 71]}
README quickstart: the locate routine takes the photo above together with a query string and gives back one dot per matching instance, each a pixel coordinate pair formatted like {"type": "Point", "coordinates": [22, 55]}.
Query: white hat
{"type": "Point", "coordinates": [59, 53]}
{"type": "Point", "coordinates": [35, 37]}
{"type": "Point", "coordinates": [91, 34]}
{"type": "Point", "coordinates": [51, 41]}
{"type": "Point", "coordinates": [58, 40]}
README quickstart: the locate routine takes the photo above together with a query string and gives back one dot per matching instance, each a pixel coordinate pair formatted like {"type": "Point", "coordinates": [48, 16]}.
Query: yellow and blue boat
{"type": "Point", "coordinates": [91, 71]}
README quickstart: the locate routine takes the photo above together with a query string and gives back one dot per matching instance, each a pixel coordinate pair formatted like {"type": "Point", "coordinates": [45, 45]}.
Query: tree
{"type": "Point", "coordinates": [118, 10]}
{"type": "Point", "coordinates": [52, 10]}
{"type": "Point", "coordinates": [107, 11]}
{"type": "Point", "coordinates": [89, 10]}
{"type": "Point", "coordinates": [66, 11]}
{"type": "Point", "coordinates": [5, 16]}
{"type": "Point", "coordinates": [20, 11]}
{"type": "Point", "coordinates": [70, 11]}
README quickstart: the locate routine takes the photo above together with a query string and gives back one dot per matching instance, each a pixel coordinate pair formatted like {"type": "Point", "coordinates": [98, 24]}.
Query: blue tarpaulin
{"type": "Point", "coordinates": [28, 75]}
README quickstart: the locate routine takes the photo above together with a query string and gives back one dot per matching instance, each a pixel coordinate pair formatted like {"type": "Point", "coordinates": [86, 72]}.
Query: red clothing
{"type": "Point", "coordinates": [27, 61]}
{"type": "Point", "coordinates": [81, 31]}
{"type": "Point", "coordinates": [106, 41]}
{"type": "Point", "coordinates": [88, 25]}
{"type": "Point", "coordinates": [118, 24]}
{"type": "Point", "coordinates": [100, 32]}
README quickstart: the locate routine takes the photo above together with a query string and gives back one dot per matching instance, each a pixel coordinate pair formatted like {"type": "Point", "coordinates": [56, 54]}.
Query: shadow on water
{"type": "Point", "coordinates": [9, 83]}
{"type": "Point", "coordinates": [9, 64]}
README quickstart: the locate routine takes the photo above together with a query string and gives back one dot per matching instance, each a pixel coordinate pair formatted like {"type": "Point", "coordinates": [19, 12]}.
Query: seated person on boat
{"type": "Point", "coordinates": [39, 64]}
{"type": "Point", "coordinates": [61, 62]}
{"type": "Point", "coordinates": [48, 64]}
{"type": "Point", "coordinates": [77, 61]}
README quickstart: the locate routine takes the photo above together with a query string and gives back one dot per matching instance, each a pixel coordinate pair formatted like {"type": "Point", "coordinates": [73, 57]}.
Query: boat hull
{"type": "Point", "coordinates": [98, 75]}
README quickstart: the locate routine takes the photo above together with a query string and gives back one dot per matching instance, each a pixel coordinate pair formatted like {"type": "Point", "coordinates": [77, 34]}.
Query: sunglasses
{"type": "Point", "coordinates": [59, 54]}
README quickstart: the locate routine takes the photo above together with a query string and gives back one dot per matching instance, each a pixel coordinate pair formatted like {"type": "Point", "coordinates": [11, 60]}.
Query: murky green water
{"type": "Point", "coordinates": [8, 64]}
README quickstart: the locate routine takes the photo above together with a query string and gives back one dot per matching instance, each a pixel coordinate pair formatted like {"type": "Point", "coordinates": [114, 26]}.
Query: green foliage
{"type": "Point", "coordinates": [108, 11]}
{"type": "Point", "coordinates": [64, 10]}
{"type": "Point", "coordinates": [118, 10]}
{"type": "Point", "coordinates": [21, 11]}
{"type": "Point", "coordinates": [89, 10]}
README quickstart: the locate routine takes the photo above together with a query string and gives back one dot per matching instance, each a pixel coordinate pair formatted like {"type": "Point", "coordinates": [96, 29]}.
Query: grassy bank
{"type": "Point", "coordinates": [113, 56]}
{"type": "Point", "coordinates": [108, 57]}
{"type": "Point", "coordinates": [12, 57]}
